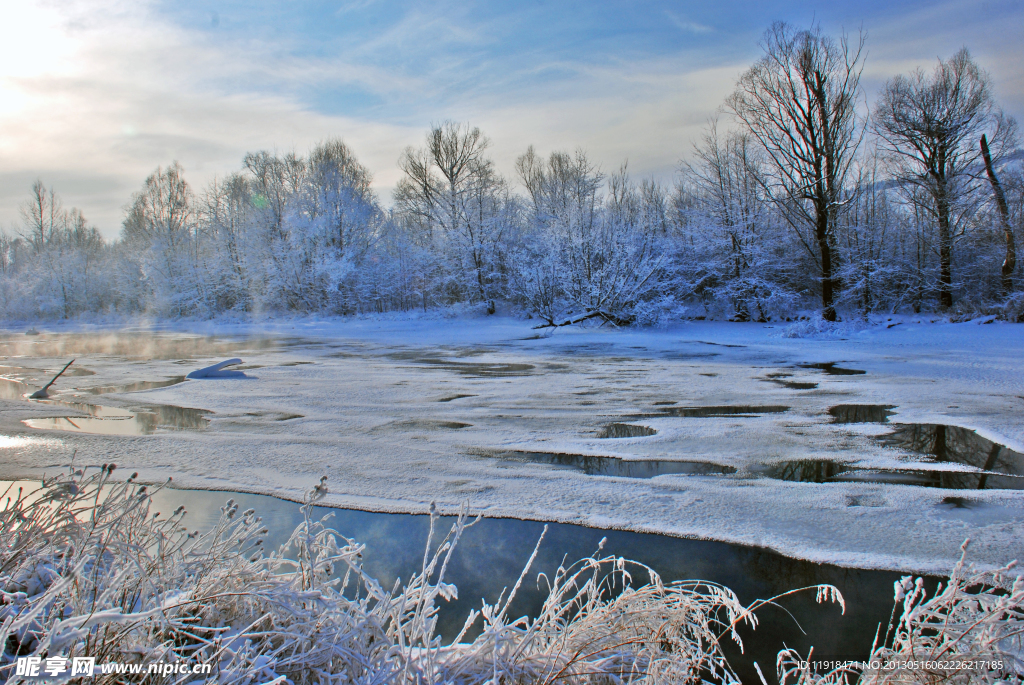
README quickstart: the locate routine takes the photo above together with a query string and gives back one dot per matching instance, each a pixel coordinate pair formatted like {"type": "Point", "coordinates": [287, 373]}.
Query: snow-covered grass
{"type": "Point", "coordinates": [971, 630]}
{"type": "Point", "coordinates": [87, 569]}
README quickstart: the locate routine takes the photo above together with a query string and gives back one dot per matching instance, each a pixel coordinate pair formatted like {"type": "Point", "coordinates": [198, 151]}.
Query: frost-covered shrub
{"type": "Point", "coordinates": [86, 569]}
{"type": "Point", "coordinates": [1013, 308]}
{"type": "Point", "coordinates": [970, 631]}
{"type": "Point", "coordinates": [814, 326]}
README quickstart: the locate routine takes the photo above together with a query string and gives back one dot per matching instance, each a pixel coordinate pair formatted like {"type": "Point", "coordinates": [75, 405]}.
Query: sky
{"type": "Point", "coordinates": [96, 94]}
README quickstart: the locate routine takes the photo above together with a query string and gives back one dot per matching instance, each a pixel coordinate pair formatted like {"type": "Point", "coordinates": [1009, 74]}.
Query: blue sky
{"type": "Point", "coordinates": [95, 94]}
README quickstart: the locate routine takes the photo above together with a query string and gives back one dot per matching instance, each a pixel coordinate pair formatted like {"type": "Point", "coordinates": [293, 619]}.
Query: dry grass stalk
{"type": "Point", "coordinates": [969, 632]}
{"type": "Point", "coordinates": [87, 570]}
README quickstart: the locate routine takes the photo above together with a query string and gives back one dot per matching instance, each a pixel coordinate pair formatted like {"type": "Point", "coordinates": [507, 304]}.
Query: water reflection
{"type": "Point", "coordinates": [88, 424]}
{"type": "Point", "coordinates": [953, 444]}
{"type": "Point", "coordinates": [612, 466]}
{"type": "Point", "coordinates": [717, 411]}
{"type": "Point", "coordinates": [998, 467]}
{"type": "Point", "coordinates": [492, 553]}
{"type": "Point", "coordinates": [132, 387]}
{"type": "Point", "coordinates": [14, 390]}
{"type": "Point", "coordinates": [13, 382]}
{"type": "Point", "coordinates": [805, 470]}
{"type": "Point", "coordinates": [420, 425]}
{"type": "Point", "coordinates": [625, 430]}
{"type": "Point", "coordinates": [104, 420]}
{"type": "Point", "coordinates": [452, 398]}
{"type": "Point", "coordinates": [861, 413]}
{"type": "Point", "coordinates": [794, 385]}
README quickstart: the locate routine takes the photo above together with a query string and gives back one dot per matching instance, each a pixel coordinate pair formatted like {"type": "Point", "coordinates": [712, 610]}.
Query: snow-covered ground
{"type": "Point", "coordinates": [376, 405]}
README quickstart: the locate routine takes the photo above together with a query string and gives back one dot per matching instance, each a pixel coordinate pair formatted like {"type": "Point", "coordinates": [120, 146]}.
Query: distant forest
{"type": "Point", "coordinates": [797, 198]}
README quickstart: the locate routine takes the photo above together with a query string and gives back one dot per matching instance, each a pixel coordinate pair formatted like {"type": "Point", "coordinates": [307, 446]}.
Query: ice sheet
{"type": "Point", "coordinates": [375, 404]}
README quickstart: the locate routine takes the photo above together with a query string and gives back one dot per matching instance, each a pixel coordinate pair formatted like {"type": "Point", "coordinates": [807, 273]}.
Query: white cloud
{"type": "Point", "coordinates": [917, 39]}
{"type": "Point", "coordinates": [648, 114]}
{"type": "Point", "coordinates": [688, 26]}
{"type": "Point", "coordinates": [95, 94]}
{"type": "Point", "coordinates": [127, 94]}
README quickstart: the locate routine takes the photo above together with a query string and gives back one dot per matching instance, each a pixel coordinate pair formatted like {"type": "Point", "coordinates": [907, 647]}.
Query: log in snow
{"type": "Point", "coordinates": [42, 393]}
{"type": "Point", "coordinates": [219, 371]}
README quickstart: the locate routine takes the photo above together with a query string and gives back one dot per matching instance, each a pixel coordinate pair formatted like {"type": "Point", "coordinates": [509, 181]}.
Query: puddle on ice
{"type": "Point", "coordinates": [794, 385]}
{"type": "Point", "coordinates": [892, 477]}
{"type": "Point", "coordinates": [420, 425]}
{"type": "Point", "coordinates": [480, 370]}
{"type": "Point", "coordinates": [1004, 468]}
{"type": "Point", "coordinates": [625, 430]}
{"type": "Point", "coordinates": [688, 355]}
{"type": "Point", "coordinates": [470, 369]}
{"type": "Point", "coordinates": [717, 411]}
{"type": "Point", "coordinates": [273, 415]}
{"type": "Point", "coordinates": [825, 471]}
{"type": "Point", "coordinates": [131, 387]}
{"type": "Point", "coordinates": [832, 370]}
{"type": "Point", "coordinates": [612, 466]}
{"type": "Point", "coordinates": [861, 413]}
{"type": "Point", "coordinates": [804, 470]}
{"type": "Point", "coordinates": [126, 426]}
{"type": "Point", "coordinates": [11, 389]}
{"type": "Point", "coordinates": [998, 468]}
{"type": "Point", "coordinates": [105, 420]}
{"type": "Point", "coordinates": [115, 421]}
{"type": "Point", "coordinates": [14, 390]}
{"type": "Point", "coordinates": [705, 342]}
{"type": "Point", "coordinates": [779, 378]}
{"type": "Point", "coordinates": [452, 398]}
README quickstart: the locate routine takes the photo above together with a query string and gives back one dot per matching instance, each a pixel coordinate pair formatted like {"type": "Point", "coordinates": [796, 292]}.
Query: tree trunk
{"type": "Point", "coordinates": [945, 252]}
{"type": "Point", "coordinates": [1010, 262]}
{"type": "Point", "coordinates": [742, 312]}
{"type": "Point", "coordinates": [828, 310]}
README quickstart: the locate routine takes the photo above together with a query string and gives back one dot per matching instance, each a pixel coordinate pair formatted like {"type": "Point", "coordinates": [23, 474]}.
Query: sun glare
{"type": "Point", "coordinates": [33, 41]}
{"type": "Point", "coordinates": [34, 44]}
{"type": "Point", "coordinates": [11, 442]}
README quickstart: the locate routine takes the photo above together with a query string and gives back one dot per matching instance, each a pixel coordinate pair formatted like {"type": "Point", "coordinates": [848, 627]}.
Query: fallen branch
{"type": "Point", "coordinates": [42, 393]}
{"type": "Point", "coordinates": [595, 314]}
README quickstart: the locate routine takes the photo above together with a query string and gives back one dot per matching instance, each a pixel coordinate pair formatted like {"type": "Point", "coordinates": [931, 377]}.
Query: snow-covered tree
{"type": "Point", "coordinates": [930, 126]}
{"type": "Point", "coordinates": [452, 194]}
{"type": "Point", "coordinates": [799, 102]}
{"type": "Point", "coordinates": [587, 255]}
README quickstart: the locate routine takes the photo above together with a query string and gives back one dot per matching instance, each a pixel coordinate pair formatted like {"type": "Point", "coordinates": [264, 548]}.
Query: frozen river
{"type": "Point", "coordinates": [881, 447]}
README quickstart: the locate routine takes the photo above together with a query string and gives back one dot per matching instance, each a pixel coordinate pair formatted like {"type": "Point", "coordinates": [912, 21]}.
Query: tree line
{"type": "Point", "coordinates": [798, 196]}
